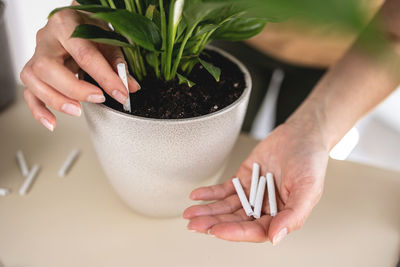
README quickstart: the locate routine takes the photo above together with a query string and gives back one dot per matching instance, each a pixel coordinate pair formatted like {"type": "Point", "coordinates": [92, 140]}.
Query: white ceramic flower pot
{"type": "Point", "coordinates": [154, 164]}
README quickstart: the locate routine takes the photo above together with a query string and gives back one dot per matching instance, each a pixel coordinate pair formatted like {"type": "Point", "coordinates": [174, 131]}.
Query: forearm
{"type": "Point", "coordinates": [353, 86]}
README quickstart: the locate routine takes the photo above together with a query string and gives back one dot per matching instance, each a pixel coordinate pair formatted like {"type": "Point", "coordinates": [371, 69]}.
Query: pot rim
{"type": "Point", "coordinates": [246, 91]}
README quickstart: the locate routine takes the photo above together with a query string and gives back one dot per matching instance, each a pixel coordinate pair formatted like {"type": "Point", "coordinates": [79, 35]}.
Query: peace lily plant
{"type": "Point", "coordinates": [162, 158]}
{"type": "Point", "coordinates": [168, 36]}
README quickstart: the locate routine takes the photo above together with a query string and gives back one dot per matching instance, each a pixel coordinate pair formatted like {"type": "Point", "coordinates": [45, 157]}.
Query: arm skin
{"type": "Point", "coordinates": [297, 151]}
{"type": "Point", "coordinates": [355, 84]}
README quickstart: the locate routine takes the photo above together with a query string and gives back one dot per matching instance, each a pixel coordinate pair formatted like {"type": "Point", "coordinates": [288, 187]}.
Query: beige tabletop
{"type": "Point", "coordinates": [79, 221]}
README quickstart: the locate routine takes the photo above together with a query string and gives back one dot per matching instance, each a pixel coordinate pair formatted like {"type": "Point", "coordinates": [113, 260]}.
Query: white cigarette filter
{"type": "Point", "coordinates": [29, 180]}
{"type": "Point", "coordinates": [242, 196]}
{"type": "Point", "coordinates": [271, 194]}
{"type": "Point", "coordinates": [22, 163]}
{"type": "Point", "coordinates": [68, 163]}
{"type": "Point", "coordinates": [4, 192]}
{"type": "Point", "coordinates": [254, 183]}
{"type": "Point", "coordinates": [259, 197]}
{"type": "Point", "coordinates": [123, 76]}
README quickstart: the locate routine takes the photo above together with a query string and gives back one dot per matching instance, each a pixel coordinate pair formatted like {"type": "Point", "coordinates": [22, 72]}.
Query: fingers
{"type": "Point", "coordinates": [242, 231]}
{"type": "Point", "coordinates": [214, 192]}
{"type": "Point", "coordinates": [39, 110]}
{"type": "Point", "coordinates": [56, 75]}
{"type": "Point", "coordinates": [228, 205]}
{"type": "Point", "coordinates": [293, 215]}
{"type": "Point", "coordinates": [115, 56]}
{"type": "Point", "coordinates": [203, 224]}
{"type": "Point", "coordinates": [90, 59]}
{"type": "Point", "coordinates": [51, 97]}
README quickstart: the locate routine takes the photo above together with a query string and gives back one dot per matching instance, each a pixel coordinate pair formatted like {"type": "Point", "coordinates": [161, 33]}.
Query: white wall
{"type": "Point", "coordinates": [24, 18]}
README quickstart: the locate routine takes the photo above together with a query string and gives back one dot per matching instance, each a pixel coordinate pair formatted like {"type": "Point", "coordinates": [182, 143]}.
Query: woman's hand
{"type": "Point", "coordinates": [298, 160]}
{"type": "Point", "coordinates": [50, 75]}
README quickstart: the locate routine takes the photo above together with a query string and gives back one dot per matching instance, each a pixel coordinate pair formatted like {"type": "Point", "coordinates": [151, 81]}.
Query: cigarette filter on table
{"type": "Point", "coordinates": [123, 76]}
{"type": "Point", "coordinates": [4, 192]}
{"type": "Point", "coordinates": [242, 197]}
{"type": "Point", "coordinates": [68, 163]}
{"type": "Point", "coordinates": [254, 183]}
{"type": "Point", "coordinates": [271, 194]}
{"type": "Point", "coordinates": [29, 180]}
{"type": "Point", "coordinates": [22, 163]}
{"type": "Point", "coordinates": [259, 197]}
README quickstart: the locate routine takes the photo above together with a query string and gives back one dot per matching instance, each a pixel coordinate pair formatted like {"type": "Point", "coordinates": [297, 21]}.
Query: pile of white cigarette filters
{"type": "Point", "coordinates": [257, 190]}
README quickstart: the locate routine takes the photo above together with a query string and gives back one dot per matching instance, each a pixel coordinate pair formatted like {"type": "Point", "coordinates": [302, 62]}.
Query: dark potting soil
{"type": "Point", "coordinates": [170, 100]}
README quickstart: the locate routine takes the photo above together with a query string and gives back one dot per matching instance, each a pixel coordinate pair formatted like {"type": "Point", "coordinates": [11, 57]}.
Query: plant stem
{"type": "Point", "coordinates": [170, 43]}
{"type": "Point", "coordinates": [141, 61]}
{"type": "Point", "coordinates": [128, 5]}
{"type": "Point", "coordinates": [112, 5]}
{"type": "Point", "coordinates": [104, 3]}
{"type": "Point", "coordinates": [182, 47]}
{"type": "Point", "coordinates": [138, 7]}
{"type": "Point", "coordinates": [163, 36]}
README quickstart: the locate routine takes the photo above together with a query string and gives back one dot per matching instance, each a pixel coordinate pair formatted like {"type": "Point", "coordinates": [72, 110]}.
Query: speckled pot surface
{"type": "Point", "coordinates": [154, 164]}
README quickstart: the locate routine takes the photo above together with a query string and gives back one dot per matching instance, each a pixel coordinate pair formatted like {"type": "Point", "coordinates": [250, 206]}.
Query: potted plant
{"type": "Point", "coordinates": [187, 117]}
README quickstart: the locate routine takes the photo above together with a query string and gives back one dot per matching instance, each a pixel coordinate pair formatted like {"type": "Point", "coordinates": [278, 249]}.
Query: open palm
{"type": "Point", "coordinates": [298, 160]}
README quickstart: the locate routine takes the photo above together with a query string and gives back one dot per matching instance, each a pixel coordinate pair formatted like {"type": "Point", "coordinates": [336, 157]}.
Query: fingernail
{"type": "Point", "coordinates": [119, 97]}
{"type": "Point", "coordinates": [71, 109]}
{"type": "Point", "coordinates": [47, 124]}
{"type": "Point", "coordinates": [279, 236]}
{"type": "Point", "coordinates": [96, 98]}
{"type": "Point", "coordinates": [135, 82]}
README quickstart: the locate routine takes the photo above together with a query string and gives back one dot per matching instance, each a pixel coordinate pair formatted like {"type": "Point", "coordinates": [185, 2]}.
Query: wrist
{"type": "Point", "coordinates": [310, 119]}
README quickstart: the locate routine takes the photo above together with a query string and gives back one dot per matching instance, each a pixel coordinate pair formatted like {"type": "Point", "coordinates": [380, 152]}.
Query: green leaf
{"type": "Point", "coordinates": [196, 10]}
{"type": "Point", "coordinates": [87, 8]}
{"type": "Point", "coordinates": [238, 29]}
{"type": "Point", "coordinates": [213, 70]}
{"type": "Point", "coordinates": [99, 35]}
{"type": "Point", "coordinates": [347, 14]}
{"type": "Point", "coordinates": [136, 28]}
{"type": "Point", "coordinates": [182, 79]}
{"type": "Point", "coordinates": [152, 59]}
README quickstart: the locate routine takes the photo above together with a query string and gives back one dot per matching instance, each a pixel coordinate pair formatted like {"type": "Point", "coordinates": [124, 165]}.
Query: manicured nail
{"type": "Point", "coordinates": [71, 109]}
{"type": "Point", "coordinates": [119, 97]}
{"type": "Point", "coordinates": [279, 236]}
{"type": "Point", "coordinates": [135, 82]}
{"type": "Point", "coordinates": [96, 98]}
{"type": "Point", "coordinates": [47, 124]}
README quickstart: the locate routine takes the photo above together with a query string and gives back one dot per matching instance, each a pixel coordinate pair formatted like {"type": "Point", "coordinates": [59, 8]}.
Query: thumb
{"type": "Point", "coordinates": [114, 56]}
{"type": "Point", "coordinates": [294, 214]}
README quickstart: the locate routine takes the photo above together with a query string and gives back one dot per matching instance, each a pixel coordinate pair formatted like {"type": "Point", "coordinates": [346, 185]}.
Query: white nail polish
{"type": "Point", "coordinates": [254, 183]}
{"type": "Point", "coordinates": [96, 98]}
{"type": "Point", "coordinates": [279, 236]}
{"type": "Point", "coordinates": [47, 124]}
{"type": "Point", "coordinates": [71, 109]}
{"type": "Point", "coordinates": [119, 97]}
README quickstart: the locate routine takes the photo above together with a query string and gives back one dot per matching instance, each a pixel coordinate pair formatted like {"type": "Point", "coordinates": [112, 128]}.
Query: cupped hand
{"type": "Point", "coordinates": [298, 160]}
{"type": "Point", "coordinates": [50, 75]}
